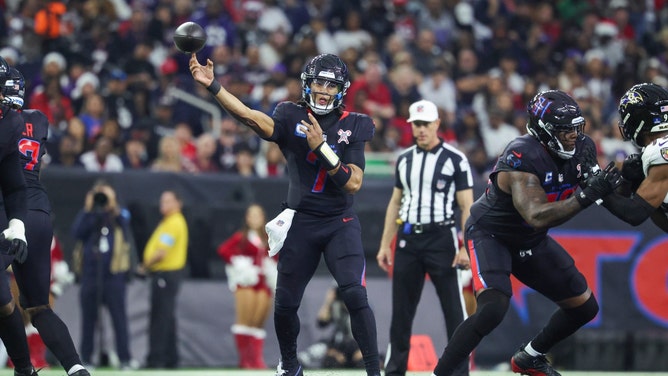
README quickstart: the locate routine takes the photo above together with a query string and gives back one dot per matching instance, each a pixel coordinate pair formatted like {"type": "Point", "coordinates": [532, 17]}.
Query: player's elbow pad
{"type": "Point", "coordinates": [633, 210]}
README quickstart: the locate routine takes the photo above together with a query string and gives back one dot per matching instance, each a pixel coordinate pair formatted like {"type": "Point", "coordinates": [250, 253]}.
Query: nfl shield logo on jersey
{"type": "Point", "coordinates": [664, 153]}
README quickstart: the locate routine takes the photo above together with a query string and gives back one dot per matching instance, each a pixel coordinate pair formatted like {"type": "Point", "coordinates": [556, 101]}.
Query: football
{"type": "Point", "coordinates": [189, 37]}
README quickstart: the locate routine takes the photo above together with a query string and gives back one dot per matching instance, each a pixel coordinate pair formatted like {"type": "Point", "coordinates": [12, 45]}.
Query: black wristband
{"type": "Point", "coordinates": [583, 200]}
{"type": "Point", "coordinates": [342, 175]}
{"type": "Point", "coordinates": [214, 88]}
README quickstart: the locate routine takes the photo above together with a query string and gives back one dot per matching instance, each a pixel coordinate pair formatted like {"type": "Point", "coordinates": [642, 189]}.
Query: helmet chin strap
{"type": "Point", "coordinates": [563, 154]}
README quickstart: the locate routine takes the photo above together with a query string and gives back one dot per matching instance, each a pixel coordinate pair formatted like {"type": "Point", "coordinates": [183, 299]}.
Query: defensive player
{"type": "Point", "coordinates": [324, 147]}
{"type": "Point", "coordinates": [33, 276]}
{"type": "Point", "coordinates": [531, 190]}
{"type": "Point", "coordinates": [644, 121]}
{"type": "Point", "coordinates": [12, 240]}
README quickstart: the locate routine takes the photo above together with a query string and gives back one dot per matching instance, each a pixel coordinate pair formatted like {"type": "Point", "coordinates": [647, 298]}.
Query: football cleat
{"type": "Point", "coordinates": [525, 364]}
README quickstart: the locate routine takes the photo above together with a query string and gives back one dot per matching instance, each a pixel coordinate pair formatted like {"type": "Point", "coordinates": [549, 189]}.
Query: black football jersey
{"type": "Point", "coordinates": [494, 210]}
{"type": "Point", "coordinates": [12, 181]}
{"type": "Point", "coordinates": [311, 190]}
{"type": "Point", "coordinates": [32, 146]}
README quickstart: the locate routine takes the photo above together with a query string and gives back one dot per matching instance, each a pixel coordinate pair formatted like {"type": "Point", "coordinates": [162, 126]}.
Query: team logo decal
{"type": "Point", "coordinates": [343, 136]}
{"type": "Point", "coordinates": [513, 161]}
{"type": "Point", "coordinates": [298, 130]}
{"type": "Point", "coordinates": [631, 98]}
{"type": "Point", "coordinates": [664, 153]}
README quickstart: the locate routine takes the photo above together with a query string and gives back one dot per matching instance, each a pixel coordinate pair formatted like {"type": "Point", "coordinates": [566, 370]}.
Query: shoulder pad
{"type": "Point", "coordinates": [655, 153]}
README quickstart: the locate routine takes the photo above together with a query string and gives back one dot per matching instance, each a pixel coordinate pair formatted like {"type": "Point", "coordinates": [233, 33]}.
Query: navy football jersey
{"type": "Point", "coordinates": [12, 181]}
{"type": "Point", "coordinates": [32, 146]}
{"type": "Point", "coordinates": [311, 190]}
{"type": "Point", "coordinates": [494, 210]}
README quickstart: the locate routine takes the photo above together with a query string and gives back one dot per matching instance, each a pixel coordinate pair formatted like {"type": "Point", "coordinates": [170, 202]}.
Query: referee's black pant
{"type": "Point", "coordinates": [429, 253]}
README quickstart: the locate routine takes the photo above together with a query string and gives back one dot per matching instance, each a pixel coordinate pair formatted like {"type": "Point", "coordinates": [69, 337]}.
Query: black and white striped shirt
{"type": "Point", "coordinates": [429, 180]}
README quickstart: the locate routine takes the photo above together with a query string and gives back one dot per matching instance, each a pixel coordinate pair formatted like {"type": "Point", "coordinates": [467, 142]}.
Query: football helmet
{"type": "Point", "coordinates": [643, 109]}
{"type": "Point", "coordinates": [4, 70]}
{"type": "Point", "coordinates": [551, 112]}
{"type": "Point", "coordinates": [329, 68]}
{"type": "Point", "coordinates": [14, 89]}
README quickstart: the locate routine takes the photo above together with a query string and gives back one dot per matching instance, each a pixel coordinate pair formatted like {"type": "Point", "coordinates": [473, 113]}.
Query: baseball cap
{"type": "Point", "coordinates": [423, 110]}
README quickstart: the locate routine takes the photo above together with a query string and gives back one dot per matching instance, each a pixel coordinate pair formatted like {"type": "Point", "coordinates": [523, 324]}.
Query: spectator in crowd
{"type": "Point", "coordinates": [164, 260]}
{"type": "Point", "coordinates": [273, 163]}
{"type": "Point", "coordinates": [102, 158]}
{"type": "Point", "coordinates": [204, 160]}
{"type": "Point", "coordinates": [376, 97]}
{"type": "Point", "coordinates": [423, 224]}
{"type": "Point", "coordinates": [251, 276]}
{"type": "Point", "coordinates": [227, 140]}
{"type": "Point", "coordinates": [169, 156]}
{"type": "Point", "coordinates": [51, 100]}
{"type": "Point", "coordinates": [245, 160]}
{"type": "Point", "coordinates": [118, 100]}
{"type": "Point", "coordinates": [135, 156]}
{"type": "Point", "coordinates": [102, 260]}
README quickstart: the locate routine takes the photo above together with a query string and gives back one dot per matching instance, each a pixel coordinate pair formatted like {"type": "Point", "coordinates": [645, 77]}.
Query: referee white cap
{"type": "Point", "coordinates": [423, 110]}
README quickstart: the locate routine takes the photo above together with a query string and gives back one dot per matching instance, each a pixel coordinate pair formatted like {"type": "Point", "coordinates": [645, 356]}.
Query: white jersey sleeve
{"type": "Point", "coordinates": [655, 154]}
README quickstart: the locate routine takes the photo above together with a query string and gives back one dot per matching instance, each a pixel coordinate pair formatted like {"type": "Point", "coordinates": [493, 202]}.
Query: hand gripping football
{"type": "Point", "coordinates": [189, 37]}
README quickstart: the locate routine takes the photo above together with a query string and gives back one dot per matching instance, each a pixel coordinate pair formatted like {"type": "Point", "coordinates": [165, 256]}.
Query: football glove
{"type": "Point", "coordinates": [632, 170]}
{"type": "Point", "coordinates": [600, 185]}
{"type": "Point", "coordinates": [15, 236]}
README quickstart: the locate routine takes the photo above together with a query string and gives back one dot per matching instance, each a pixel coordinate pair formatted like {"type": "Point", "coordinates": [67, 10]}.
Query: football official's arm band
{"type": "Point", "coordinates": [214, 88]}
{"type": "Point", "coordinates": [342, 175]}
{"type": "Point", "coordinates": [633, 210]}
{"type": "Point", "coordinates": [327, 156]}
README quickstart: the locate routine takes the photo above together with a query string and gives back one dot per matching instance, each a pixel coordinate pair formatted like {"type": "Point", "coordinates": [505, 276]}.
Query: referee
{"type": "Point", "coordinates": [430, 177]}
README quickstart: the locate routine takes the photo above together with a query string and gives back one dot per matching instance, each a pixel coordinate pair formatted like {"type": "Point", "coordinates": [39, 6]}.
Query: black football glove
{"type": "Point", "coordinates": [589, 160]}
{"type": "Point", "coordinates": [13, 240]}
{"type": "Point", "coordinates": [632, 171]}
{"type": "Point", "coordinates": [600, 185]}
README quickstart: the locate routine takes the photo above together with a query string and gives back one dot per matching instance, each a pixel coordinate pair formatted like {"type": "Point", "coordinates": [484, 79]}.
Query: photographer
{"type": "Point", "coordinates": [102, 262]}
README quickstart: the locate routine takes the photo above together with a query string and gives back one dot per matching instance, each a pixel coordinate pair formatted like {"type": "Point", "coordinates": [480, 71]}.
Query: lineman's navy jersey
{"type": "Point", "coordinates": [494, 211]}
{"type": "Point", "coordinates": [12, 181]}
{"type": "Point", "coordinates": [32, 146]}
{"type": "Point", "coordinates": [311, 190]}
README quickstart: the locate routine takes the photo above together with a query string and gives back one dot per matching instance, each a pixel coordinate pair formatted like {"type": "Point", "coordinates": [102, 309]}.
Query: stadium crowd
{"type": "Point", "coordinates": [104, 71]}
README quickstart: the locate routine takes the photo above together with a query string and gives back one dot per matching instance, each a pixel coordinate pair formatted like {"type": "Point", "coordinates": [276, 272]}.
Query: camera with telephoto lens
{"type": "Point", "coordinates": [100, 201]}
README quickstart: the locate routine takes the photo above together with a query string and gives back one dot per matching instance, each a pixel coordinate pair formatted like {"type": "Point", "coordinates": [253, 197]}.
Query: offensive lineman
{"type": "Point", "coordinates": [12, 240]}
{"type": "Point", "coordinates": [324, 147]}
{"type": "Point", "coordinates": [531, 190]}
{"type": "Point", "coordinates": [33, 277]}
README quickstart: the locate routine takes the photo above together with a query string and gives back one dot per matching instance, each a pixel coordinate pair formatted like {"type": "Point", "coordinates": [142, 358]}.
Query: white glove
{"type": "Point", "coordinates": [270, 271]}
{"type": "Point", "coordinates": [241, 272]}
{"type": "Point", "coordinates": [61, 277]}
{"type": "Point", "coordinates": [15, 234]}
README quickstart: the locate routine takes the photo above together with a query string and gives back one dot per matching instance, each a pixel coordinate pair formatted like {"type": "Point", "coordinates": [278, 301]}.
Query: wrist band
{"type": "Point", "coordinates": [342, 175]}
{"type": "Point", "coordinates": [327, 156]}
{"type": "Point", "coordinates": [583, 200]}
{"type": "Point", "coordinates": [214, 88]}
